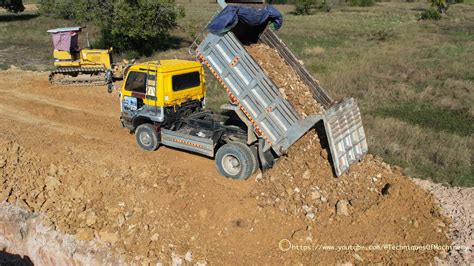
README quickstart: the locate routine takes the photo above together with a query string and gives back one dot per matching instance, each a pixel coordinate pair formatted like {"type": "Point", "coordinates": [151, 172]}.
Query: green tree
{"type": "Point", "coordinates": [14, 6]}
{"type": "Point", "coordinates": [138, 25]}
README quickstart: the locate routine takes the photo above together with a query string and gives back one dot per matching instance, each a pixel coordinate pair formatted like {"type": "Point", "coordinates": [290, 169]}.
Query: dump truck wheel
{"type": "Point", "coordinates": [253, 153]}
{"type": "Point", "coordinates": [235, 160]}
{"type": "Point", "coordinates": [146, 137]}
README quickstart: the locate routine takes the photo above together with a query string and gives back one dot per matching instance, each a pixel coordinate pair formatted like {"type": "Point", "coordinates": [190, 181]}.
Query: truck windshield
{"type": "Point", "coordinates": [186, 81]}
{"type": "Point", "coordinates": [136, 82]}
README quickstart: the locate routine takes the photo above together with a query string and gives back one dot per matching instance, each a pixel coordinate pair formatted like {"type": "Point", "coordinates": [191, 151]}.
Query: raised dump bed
{"type": "Point", "coordinates": [273, 117]}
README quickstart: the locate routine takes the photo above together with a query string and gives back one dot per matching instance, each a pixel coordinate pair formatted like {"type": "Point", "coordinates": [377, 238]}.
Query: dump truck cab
{"type": "Point", "coordinates": [161, 92]}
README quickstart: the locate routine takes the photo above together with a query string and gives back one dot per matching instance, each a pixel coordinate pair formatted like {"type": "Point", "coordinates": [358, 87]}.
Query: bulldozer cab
{"type": "Point", "coordinates": [66, 44]}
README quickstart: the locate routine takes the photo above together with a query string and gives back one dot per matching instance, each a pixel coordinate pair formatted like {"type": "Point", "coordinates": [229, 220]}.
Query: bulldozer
{"type": "Point", "coordinates": [163, 103]}
{"type": "Point", "coordinates": [76, 66]}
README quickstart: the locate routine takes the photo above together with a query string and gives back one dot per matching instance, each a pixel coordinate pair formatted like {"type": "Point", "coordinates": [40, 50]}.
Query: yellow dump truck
{"type": "Point", "coordinates": [163, 103]}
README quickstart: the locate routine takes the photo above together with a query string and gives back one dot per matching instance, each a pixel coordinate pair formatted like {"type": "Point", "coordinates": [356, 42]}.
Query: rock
{"type": "Point", "coordinates": [108, 237]}
{"type": "Point", "coordinates": [315, 195]}
{"type": "Point", "coordinates": [84, 234]}
{"type": "Point", "coordinates": [188, 256]}
{"type": "Point", "coordinates": [155, 237]}
{"type": "Point", "coordinates": [91, 218]}
{"type": "Point", "coordinates": [176, 260]}
{"type": "Point", "coordinates": [52, 183]}
{"type": "Point", "coordinates": [306, 175]}
{"type": "Point", "coordinates": [342, 208]}
{"type": "Point", "coordinates": [53, 169]}
{"type": "Point", "coordinates": [259, 176]}
{"type": "Point", "coordinates": [310, 216]}
{"type": "Point", "coordinates": [306, 208]}
{"type": "Point", "coordinates": [120, 220]}
{"type": "Point", "coordinates": [357, 257]}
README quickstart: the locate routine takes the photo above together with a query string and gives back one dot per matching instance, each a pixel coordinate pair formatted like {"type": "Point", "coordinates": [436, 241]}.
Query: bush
{"type": "Point", "coordinates": [65, 9]}
{"type": "Point", "coordinates": [14, 6]}
{"type": "Point", "coordinates": [362, 2]}
{"type": "Point", "coordinates": [431, 13]}
{"type": "Point", "coordinates": [142, 26]}
{"type": "Point", "coordinates": [304, 7]}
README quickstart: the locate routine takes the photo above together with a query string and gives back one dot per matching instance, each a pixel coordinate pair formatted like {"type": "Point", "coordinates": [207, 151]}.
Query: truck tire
{"type": "Point", "coordinates": [236, 161]}
{"type": "Point", "coordinates": [147, 137]}
{"type": "Point", "coordinates": [254, 154]}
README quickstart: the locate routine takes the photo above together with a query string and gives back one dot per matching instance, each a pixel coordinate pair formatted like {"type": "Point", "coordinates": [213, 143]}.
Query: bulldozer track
{"type": "Point", "coordinates": [74, 76]}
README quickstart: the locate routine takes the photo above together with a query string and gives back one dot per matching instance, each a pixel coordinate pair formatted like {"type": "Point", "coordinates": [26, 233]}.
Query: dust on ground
{"type": "Point", "coordinates": [63, 154]}
{"type": "Point", "coordinates": [285, 78]}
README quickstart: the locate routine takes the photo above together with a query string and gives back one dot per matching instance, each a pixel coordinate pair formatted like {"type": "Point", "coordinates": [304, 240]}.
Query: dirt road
{"type": "Point", "coordinates": [63, 153]}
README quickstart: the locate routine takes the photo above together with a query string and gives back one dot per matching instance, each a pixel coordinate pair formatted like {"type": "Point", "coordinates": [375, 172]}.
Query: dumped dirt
{"type": "Point", "coordinates": [63, 154]}
{"type": "Point", "coordinates": [372, 204]}
{"type": "Point", "coordinates": [285, 78]}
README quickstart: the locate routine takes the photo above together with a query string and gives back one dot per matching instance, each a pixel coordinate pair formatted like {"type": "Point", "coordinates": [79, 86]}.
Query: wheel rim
{"type": "Point", "coordinates": [145, 138]}
{"type": "Point", "coordinates": [231, 164]}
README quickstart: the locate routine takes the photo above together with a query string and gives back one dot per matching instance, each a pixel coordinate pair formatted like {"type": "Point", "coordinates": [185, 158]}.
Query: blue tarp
{"type": "Point", "coordinates": [228, 18]}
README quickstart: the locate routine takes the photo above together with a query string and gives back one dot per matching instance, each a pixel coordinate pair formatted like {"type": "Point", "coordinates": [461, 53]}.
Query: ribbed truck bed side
{"type": "Point", "coordinates": [274, 118]}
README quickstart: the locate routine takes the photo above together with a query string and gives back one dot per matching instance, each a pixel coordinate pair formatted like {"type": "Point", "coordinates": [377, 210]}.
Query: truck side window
{"type": "Point", "coordinates": [186, 81]}
{"type": "Point", "coordinates": [136, 82]}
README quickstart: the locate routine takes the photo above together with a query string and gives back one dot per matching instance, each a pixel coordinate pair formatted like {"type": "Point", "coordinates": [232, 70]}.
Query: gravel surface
{"type": "Point", "coordinates": [457, 203]}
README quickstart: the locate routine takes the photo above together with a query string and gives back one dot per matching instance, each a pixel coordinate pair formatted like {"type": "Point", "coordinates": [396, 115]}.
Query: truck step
{"type": "Point", "coordinates": [185, 141]}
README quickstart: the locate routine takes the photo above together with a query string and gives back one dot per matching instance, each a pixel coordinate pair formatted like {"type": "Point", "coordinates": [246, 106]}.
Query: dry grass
{"type": "Point", "coordinates": [413, 79]}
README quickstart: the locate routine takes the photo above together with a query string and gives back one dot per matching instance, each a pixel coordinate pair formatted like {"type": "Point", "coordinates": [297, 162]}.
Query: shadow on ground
{"type": "Point", "coordinates": [19, 17]}
{"type": "Point", "coordinates": [7, 259]}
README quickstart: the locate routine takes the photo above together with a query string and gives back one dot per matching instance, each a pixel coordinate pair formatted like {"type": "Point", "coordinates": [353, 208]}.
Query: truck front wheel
{"type": "Point", "coordinates": [235, 160]}
{"type": "Point", "coordinates": [147, 137]}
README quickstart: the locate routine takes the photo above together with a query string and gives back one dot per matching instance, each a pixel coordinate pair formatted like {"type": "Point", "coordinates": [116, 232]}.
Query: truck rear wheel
{"type": "Point", "coordinates": [147, 137]}
{"type": "Point", "coordinates": [236, 160]}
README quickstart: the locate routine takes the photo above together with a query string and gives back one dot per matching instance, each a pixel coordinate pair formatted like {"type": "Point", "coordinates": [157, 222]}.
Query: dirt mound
{"type": "Point", "coordinates": [372, 204]}
{"type": "Point", "coordinates": [285, 78]}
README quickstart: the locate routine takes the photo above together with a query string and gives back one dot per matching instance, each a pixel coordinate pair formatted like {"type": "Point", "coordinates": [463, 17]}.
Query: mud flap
{"type": "Point", "coordinates": [345, 134]}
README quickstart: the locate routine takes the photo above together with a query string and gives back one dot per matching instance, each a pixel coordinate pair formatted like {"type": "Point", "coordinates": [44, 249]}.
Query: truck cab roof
{"type": "Point", "coordinates": [162, 66]}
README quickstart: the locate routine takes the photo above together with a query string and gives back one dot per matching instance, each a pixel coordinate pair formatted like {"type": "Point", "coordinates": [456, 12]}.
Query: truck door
{"type": "Point", "coordinates": [134, 93]}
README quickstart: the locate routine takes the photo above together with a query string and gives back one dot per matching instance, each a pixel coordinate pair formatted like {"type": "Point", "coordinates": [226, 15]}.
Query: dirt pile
{"type": "Point", "coordinates": [285, 78]}
{"type": "Point", "coordinates": [370, 204]}
{"type": "Point", "coordinates": [73, 204]}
